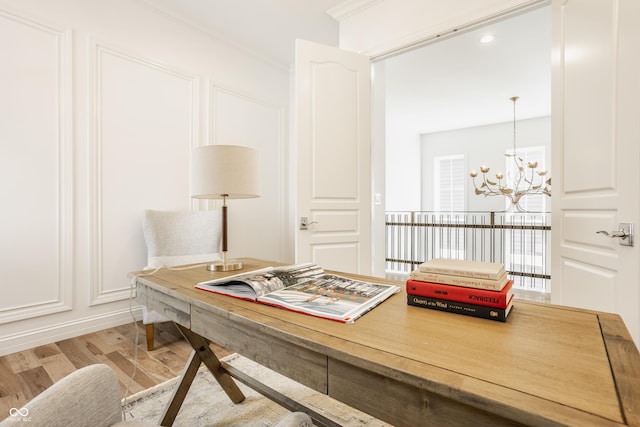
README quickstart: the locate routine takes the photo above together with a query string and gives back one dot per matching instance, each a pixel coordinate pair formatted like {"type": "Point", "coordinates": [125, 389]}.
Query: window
{"type": "Point", "coordinates": [449, 183]}
{"type": "Point", "coordinates": [449, 190]}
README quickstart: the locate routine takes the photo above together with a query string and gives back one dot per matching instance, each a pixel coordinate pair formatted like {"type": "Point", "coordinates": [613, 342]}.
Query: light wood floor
{"type": "Point", "coordinates": [25, 374]}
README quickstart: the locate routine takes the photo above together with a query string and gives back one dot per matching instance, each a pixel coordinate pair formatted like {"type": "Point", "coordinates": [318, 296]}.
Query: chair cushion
{"type": "Point", "coordinates": [87, 397]}
{"type": "Point", "coordinates": [178, 238]}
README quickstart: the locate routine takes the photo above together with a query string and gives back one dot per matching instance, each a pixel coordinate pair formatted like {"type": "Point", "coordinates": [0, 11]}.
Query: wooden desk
{"type": "Point", "coordinates": [547, 365]}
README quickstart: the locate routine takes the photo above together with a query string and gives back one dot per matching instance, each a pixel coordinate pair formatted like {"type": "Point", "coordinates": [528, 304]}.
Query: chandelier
{"type": "Point", "coordinates": [527, 180]}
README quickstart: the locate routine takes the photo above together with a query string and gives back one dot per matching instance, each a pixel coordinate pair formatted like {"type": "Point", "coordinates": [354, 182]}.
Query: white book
{"type": "Point", "coordinates": [456, 267]}
{"type": "Point", "coordinates": [465, 281]}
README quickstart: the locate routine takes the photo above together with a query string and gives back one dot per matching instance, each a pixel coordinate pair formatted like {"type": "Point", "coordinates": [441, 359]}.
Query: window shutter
{"type": "Point", "coordinates": [449, 183]}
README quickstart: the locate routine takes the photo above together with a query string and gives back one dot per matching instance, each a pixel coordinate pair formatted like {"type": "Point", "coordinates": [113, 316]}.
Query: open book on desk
{"type": "Point", "coordinates": [304, 288]}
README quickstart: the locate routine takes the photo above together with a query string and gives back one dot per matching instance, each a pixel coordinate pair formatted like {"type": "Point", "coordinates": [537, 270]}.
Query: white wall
{"type": "Point", "coordinates": [101, 103]}
{"type": "Point", "coordinates": [378, 168]}
{"type": "Point", "coordinates": [483, 145]}
{"type": "Point", "coordinates": [403, 170]}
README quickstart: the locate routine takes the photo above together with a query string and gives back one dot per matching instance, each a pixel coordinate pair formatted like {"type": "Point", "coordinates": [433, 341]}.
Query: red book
{"type": "Point", "coordinates": [497, 299]}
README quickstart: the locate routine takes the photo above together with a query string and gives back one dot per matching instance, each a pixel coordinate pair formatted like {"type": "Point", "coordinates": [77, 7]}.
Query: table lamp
{"type": "Point", "coordinates": [225, 172]}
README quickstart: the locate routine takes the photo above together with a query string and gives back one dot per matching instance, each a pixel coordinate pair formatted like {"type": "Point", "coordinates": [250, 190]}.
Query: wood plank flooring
{"type": "Point", "coordinates": [25, 374]}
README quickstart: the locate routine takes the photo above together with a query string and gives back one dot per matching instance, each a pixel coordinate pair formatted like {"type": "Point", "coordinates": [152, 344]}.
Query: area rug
{"type": "Point", "coordinates": [206, 403]}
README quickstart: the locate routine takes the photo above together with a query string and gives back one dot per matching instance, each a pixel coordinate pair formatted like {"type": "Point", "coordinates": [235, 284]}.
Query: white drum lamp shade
{"type": "Point", "coordinates": [225, 171]}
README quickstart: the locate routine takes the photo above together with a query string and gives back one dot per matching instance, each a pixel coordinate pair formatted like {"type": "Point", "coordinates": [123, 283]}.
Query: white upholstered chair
{"type": "Point", "coordinates": [90, 396]}
{"type": "Point", "coordinates": [177, 238]}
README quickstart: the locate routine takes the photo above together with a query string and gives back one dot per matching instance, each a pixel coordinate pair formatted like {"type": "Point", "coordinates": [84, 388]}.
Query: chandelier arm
{"type": "Point", "coordinates": [473, 179]}
{"type": "Point", "coordinates": [519, 171]}
{"type": "Point", "coordinates": [533, 177]}
{"type": "Point", "coordinates": [487, 190]}
{"type": "Point", "coordinates": [519, 188]}
{"type": "Point", "coordinates": [484, 179]}
{"type": "Point", "coordinates": [492, 188]}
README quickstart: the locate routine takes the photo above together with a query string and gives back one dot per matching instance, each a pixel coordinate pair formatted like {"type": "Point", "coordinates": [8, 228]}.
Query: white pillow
{"type": "Point", "coordinates": [178, 238]}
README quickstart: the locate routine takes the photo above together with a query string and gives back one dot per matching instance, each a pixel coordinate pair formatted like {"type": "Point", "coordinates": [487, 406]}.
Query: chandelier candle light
{"type": "Point", "coordinates": [524, 182]}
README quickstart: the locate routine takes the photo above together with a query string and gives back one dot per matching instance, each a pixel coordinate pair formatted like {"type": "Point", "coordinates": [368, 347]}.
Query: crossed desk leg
{"type": "Point", "coordinates": [225, 375]}
{"type": "Point", "coordinates": [201, 354]}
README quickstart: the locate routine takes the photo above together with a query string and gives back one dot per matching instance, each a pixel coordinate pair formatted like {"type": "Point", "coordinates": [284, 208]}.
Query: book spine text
{"type": "Point", "coordinates": [461, 294]}
{"type": "Point", "coordinates": [494, 285]}
{"type": "Point", "coordinates": [484, 312]}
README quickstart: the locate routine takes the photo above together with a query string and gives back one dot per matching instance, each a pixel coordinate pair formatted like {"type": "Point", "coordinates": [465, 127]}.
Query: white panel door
{"type": "Point", "coordinates": [333, 167]}
{"type": "Point", "coordinates": [596, 139]}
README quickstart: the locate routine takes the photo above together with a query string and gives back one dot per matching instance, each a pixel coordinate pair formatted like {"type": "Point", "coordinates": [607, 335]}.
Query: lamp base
{"type": "Point", "coordinates": [231, 265]}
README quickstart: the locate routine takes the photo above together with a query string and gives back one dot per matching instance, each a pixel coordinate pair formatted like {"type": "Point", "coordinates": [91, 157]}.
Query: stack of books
{"type": "Point", "coordinates": [480, 289]}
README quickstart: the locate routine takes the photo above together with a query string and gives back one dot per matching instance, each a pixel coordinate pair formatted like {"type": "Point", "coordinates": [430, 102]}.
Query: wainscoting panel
{"type": "Point", "coordinates": [36, 254]}
{"type": "Point", "coordinates": [145, 123]}
{"type": "Point", "coordinates": [336, 129]}
{"type": "Point", "coordinates": [587, 286]}
{"type": "Point", "coordinates": [581, 69]}
{"type": "Point", "coordinates": [575, 224]}
{"type": "Point", "coordinates": [340, 256]}
{"type": "Point", "coordinates": [255, 228]}
{"type": "Point", "coordinates": [341, 222]}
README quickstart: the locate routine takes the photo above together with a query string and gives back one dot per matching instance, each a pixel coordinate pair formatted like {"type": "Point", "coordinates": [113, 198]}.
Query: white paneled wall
{"type": "Point", "coordinates": [140, 157]}
{"type": "Point", "coordinates": [35, 185]}
{"type": "Point", "coordinates": [101, 104]}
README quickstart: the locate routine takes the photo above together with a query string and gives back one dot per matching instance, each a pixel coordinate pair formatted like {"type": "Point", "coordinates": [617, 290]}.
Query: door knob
{"type": "Point", "coordinates": [625, 233]}
{"type": "Point", "coordinates": [304, 223]}
{"type": "Point", "coordinates": [619, 233]}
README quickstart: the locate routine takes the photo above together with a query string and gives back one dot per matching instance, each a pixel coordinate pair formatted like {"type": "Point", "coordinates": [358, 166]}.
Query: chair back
{"type": "Point", "coordinates": [179, 238]}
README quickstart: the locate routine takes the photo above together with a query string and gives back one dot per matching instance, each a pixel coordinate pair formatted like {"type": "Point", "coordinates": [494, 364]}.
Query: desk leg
{"type": "Point", "coordinates": [179, 393]}
{"type": "Point", "coordinates": [201, 354]}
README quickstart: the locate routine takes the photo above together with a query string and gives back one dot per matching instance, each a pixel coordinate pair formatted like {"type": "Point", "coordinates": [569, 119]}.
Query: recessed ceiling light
{"type": "Point", "coordinates": [487, 38]}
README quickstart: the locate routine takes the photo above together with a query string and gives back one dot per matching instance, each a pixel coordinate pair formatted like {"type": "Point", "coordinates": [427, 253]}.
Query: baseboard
{"type": "Point", "coordinates": [52, 333]}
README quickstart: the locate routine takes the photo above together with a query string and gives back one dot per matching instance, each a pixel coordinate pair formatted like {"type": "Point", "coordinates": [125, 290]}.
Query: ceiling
{"type": "Point", "coordinates": [460, 82]}
{"type": "Point", "coordinates": [454, 83]}
{"type": "Point", "coordinates": [266, 27]}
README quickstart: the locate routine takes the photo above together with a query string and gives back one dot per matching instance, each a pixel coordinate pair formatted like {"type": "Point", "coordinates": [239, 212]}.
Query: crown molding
{"type": "Point", "coordinates": [350, 8]}
{"type": "Point", "coordinates": [214, 34]}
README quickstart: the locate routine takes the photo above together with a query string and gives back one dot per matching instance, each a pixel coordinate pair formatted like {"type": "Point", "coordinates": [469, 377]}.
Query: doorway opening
{"type": "Point", "coordinates": [451, 99]}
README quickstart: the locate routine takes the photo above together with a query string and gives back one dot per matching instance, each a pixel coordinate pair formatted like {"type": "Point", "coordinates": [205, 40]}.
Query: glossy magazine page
{"type": "Point", "coordinates": [330, 296]}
